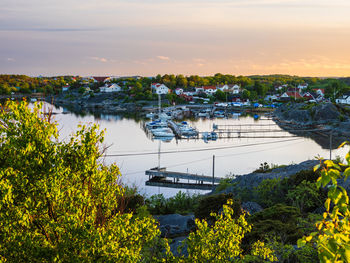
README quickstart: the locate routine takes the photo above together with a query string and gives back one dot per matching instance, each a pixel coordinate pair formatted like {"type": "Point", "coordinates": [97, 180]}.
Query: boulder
{"type": "Point", "coordinates": [175, 225]}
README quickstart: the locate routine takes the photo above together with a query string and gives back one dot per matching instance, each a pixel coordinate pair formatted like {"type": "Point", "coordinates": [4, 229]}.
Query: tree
{"type": "Point", "coordinates": [333, 236]}
{"type": "Point", "coordinates": [222, 241]}
{"type": "Point", "coordinates": [58, 201]}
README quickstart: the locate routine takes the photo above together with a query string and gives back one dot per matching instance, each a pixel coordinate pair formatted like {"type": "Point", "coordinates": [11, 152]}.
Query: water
{"type": "Point", "coordinates": [125, 138]}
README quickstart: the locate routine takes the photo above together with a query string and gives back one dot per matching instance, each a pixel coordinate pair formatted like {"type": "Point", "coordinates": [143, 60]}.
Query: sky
{"type": "Point", "coordinates": [149, 37]}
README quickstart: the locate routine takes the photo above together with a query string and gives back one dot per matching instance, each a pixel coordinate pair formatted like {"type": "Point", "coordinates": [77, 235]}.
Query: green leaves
{"type": "Point", "coordinates": [334, 231]}
{"type": "Point", "coordinates": [57, 200]}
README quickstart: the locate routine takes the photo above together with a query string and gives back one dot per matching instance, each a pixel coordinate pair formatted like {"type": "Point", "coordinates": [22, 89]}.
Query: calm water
{"type": "Point", "coordinates": [232, 156]}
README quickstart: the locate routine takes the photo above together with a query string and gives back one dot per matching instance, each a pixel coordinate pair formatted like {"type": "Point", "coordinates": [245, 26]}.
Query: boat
{"type": "Point", "coordinates": [187, 130]}
{"type": "Point", "coordinates": [163, 133]}
{"type": "Point", "coordinates": [203, 113]}
{"type": "Point", "coordinates": [33, 99]}
{"type": "Point", "coordinates": [150, 115]}
{"type": "Point", "coordinates": [207, 136]}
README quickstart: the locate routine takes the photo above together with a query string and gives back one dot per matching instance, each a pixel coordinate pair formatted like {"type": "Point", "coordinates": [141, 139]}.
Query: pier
{"type": "Point", "coordinates": [158, 177]}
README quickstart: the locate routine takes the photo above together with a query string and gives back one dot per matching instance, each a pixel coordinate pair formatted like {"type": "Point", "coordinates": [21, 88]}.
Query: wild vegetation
{"type": "Point", "coordinates": [59, 202]}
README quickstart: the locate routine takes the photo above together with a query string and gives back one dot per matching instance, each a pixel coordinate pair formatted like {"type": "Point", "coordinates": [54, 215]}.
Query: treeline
{"type": "Point", "coordinates": [26, 85]}
{"type": "Point", "coordinates": [253, 87]}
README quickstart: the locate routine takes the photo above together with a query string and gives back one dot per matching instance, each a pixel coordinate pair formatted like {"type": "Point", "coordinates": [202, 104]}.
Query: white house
{"type": "Point", "coordinates": [107, 88]}
{"type": "Point", "coordinates": [209, 90]}
{"type": "Point", "coordinates": [159, 88]}
{"type": "Point", "coordinates": [302, 86]}
{"type": "Point", "coordinates": [179, 91]}
{"type": "Point", "coordinates": [235, 89]}
{"type": "Point", "coordinates": [345, 99]}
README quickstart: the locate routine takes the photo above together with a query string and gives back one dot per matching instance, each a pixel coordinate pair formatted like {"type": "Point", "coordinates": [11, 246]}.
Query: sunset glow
{"type": "Point", "coordinates": [203, 37]}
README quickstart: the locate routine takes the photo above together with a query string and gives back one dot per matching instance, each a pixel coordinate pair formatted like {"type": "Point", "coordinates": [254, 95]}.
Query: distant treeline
{"type": "Point", "coordinates": [253, 87]}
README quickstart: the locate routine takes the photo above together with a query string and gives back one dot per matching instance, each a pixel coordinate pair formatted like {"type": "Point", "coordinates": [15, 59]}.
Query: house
{"type": "Point", "coordinates": [189, 93]}
{"type": "Point", "coordinates": [319, 92]}
{"type": "Point", "coordinates": [159, 88]}
{"type": "Point", "coordinates": [179, 91]}
{"type": "Point", "coordinates": [302, 86]}
{"type": "Point", "coordinates": [65, 88]}
{"type": "Point", "coordinates": [101, 79]}
{"type": "Point", "coordinates": [187, 98]}
{"type": "Point", "coordinates": [271, 98]}
{"type": "Point", "coordinates": [199, 90]}
{"type": "Point", "coordinates": [224, 88]}
{"type": "Point", "coordinates": [345, 99]}
{"type": "Point", "coordinates": [209, 90]}
{"type": "Point", "coordinates": [310, 96]}
{"type": "Point", "coordinates": [235, 89]}
{"type": "Point", "coordinates": [107, 88]}
{"type": "Point", "coordinates": [232, 89]}
{"type": "Point", "coordinates": [291, 95]}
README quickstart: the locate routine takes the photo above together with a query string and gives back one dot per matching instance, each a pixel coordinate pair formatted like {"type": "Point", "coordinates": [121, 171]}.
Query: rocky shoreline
{"type": "Point", "coordinates": [322, 121]}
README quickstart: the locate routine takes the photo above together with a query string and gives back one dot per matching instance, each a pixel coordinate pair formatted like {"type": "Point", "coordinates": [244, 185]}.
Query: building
{"type": "Point", "coordinates": [159, 88]}
{"type": "Point", "coordinates": [101, 79]}
{"type": "Point", "coordinates": [345, 99]}
{"type": "Point", "coordinates": [179, 91]}
{"type": "Point", "coordinates": [302, 86]}
{"type": "Point", "coordinates": [107, 88]}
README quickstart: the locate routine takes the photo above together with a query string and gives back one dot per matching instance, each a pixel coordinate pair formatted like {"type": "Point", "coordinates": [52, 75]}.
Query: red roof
{"type": "Point", "coordinates": [294, 94]}
{"type": "Point", "coordinates": [100, 79]}
{"type": "Point", "coordinates": [209, 87]}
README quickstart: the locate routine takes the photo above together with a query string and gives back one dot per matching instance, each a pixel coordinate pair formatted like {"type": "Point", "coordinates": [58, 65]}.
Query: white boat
{"type": "Point", "coordinates": [163, 133]}
{"type": "Point", "coordinates": [187, 130]}
{"type": "Point", "coordinates": [150, 115]}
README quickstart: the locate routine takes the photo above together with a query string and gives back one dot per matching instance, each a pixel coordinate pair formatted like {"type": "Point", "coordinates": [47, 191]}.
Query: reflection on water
{"type": "Point", "coordinates": [134, 152]}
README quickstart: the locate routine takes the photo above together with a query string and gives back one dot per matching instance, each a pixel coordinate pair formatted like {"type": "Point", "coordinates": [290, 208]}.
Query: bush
{"type": "Point", "coordinates": [213, 204]}
{"type": "Point", "coordinates": [279, 220]}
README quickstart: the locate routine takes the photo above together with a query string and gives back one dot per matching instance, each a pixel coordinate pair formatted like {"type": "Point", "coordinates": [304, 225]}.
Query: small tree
{"type": "Point", "coordinates": [58, 201]}
{"type": "Point", "coordinates": [333, 237]}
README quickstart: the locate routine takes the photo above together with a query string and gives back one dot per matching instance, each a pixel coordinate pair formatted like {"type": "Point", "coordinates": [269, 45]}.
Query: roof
{"type": "Point", "coordinates": [294, 94]}
{"type": "Point", "coordinates": [209, 87]}
{"type": "Point", "coordinates": [100, 79]}
{"type": "Point", "coordinates": [319, 89]}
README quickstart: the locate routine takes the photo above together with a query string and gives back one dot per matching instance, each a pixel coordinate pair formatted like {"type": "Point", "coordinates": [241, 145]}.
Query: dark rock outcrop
{"type": "Point", "coordinates": [175, 225]}
{"type": "Point", "coordinates": [249, 181]}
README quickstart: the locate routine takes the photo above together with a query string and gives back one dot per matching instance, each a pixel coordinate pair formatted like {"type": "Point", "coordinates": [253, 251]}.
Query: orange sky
{"type": "Point", "coordinates": [145, 37]}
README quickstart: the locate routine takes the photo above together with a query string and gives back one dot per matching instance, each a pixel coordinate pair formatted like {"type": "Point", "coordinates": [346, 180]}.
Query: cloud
{"type": "Point", "coordinates": [104, 60]}
{"type": "Point", "coordinates": [11, 59]}
{"type": "Point", "coordinates": [163, 58]}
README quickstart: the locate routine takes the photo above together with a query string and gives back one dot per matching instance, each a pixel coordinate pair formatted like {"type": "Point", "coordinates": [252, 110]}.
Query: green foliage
{"type": "Point", "coordinates": [181, 203]}
{"type": "Point", "coordinates": [279, 220]}
{"type": "Point", "coordinates": [222, 241]}
{"type": "Point", "coordinates": [57, 200]}
{"type": "Point", "coordinates": [213, 203]}
{"type": "Point", "coordinates": [333, 236]}
{"type": "Point", "coordinates": [306, 196]}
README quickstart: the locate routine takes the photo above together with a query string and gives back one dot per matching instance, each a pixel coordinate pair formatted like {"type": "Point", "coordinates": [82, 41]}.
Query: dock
{"type": "Point", "coordinates": [158, 177]}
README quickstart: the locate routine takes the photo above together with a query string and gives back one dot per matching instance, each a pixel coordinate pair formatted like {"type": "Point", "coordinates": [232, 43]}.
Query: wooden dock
{"type": "Point", "coordinates": [158, 177]}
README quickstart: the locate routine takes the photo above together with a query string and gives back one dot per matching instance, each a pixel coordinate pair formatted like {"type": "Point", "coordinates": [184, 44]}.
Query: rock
{"type": "Point", "coordinates": [249, 181]}
{"type": "Point", "coordinates": [325, 113]}
{"type": "Point", "coordinates": [251, 207]}
{"type": "Point", "coordinates": [175, 244]}
{"type": "Point", "coordinates": [175, 225]}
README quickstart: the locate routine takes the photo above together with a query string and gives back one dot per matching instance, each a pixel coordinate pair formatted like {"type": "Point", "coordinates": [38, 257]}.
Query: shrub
{"type": "Point", "coordinates": [213, 203]}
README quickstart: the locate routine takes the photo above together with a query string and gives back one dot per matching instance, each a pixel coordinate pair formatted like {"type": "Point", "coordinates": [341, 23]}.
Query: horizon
{"type": "Point", "coordinates": [195, 37]}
